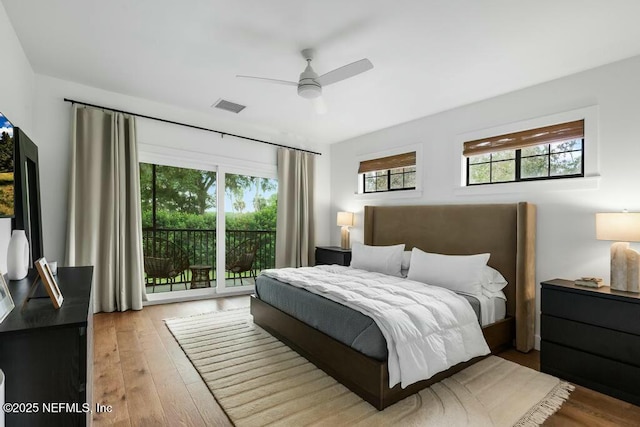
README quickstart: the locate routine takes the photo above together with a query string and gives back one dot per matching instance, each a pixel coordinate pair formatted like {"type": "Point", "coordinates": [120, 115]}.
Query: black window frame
{"type": "Point", "coordinates": [388, 173]}
{"type": "Point", "coordinates": [518, 166]}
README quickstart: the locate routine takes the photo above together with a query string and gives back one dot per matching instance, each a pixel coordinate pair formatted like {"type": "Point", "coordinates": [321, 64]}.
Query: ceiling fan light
{"type": "Point", "coordinates": [309, 91]}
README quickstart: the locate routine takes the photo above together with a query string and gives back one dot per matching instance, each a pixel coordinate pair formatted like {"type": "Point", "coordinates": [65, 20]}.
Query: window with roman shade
{"type": "Point", "coordinates": [391, 173]}
{"type": "Point", "coordinates": [549, 152]}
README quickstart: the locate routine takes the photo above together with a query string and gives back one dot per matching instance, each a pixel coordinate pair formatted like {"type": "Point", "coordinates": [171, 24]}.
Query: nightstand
{"type": "Point", "coordinates": [333, 255]}
{"type": "Point", "coordinates": [591, 336]}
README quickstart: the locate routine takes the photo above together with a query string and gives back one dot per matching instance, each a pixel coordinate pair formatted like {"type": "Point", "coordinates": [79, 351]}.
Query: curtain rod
{"type": "Point", "coordinates": [73, 101]}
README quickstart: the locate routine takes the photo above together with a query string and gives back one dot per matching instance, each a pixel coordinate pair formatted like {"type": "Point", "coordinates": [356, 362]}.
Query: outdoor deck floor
{"type": "Point", "coordinates": [186, 286]}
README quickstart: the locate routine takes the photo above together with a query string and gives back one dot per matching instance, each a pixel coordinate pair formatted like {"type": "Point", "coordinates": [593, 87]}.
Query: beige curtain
{"type": "Point", "coordinates": [104, 221]}
{"type": "Point", "coordinates": [294, 229]}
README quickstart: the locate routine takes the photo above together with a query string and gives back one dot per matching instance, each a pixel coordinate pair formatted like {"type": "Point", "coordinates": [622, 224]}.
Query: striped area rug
{"type": "Point", "coordinates": [260, 381]}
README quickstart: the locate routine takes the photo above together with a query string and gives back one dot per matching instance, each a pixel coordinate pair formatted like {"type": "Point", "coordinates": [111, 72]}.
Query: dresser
{"type": "Point", "coordinates": [333, 255]}
{"type": "Point", "coordinates": [591, 337]}
{"type": "Point", "coordinates": [46, 354]}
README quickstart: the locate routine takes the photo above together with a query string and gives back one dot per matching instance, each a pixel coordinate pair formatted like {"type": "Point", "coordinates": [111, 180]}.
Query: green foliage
{"type": "Point", "coordinates": [6, 175]}
{"type": "Point", "coordinates": [178, 189]}
{"type": "Point", "coordinates": [179, 220]}
{"type": "Point", "coordinates": [6, 200]}
{"type": "Point", "coordinates": [6, 153]}
{"type": "Point", "coordinates": [534, 167]}
{"type": "Point", "coordinates": [264, 219]}
{"type": "Point", "coordinates": [503, 155]}
{"type": "Point", "coordinates": [479, 173]}
{"type": "Point", "coordinates": [192, 191]}
{"type": "Point", "coordinates": [503, 171]}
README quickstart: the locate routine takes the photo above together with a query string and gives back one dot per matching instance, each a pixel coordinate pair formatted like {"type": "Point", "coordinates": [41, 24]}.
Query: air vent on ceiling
{"type": "Point", "coordinates": [228, 105]}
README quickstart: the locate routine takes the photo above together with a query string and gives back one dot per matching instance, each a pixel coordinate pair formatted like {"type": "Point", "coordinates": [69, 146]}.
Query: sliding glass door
{"type": "Point", "coordinates": [188, 246]}
{"type": "Point", "coordinates": [179, 227]}
{"type": "Point", "coordinates": [250, 227]}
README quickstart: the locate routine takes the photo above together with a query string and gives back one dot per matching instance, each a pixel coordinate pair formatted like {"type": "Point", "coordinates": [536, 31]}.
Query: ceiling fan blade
{"type": "Point", "coordinates": [319, 105]}
{"type": "Point", "coordinates": [345, 72]}
{"type": "Point", "coordinates": [280, 82]}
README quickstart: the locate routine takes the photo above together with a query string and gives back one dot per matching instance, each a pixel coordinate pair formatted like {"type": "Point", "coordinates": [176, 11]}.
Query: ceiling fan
{"type": "Point", "coordinates": [310, 84]}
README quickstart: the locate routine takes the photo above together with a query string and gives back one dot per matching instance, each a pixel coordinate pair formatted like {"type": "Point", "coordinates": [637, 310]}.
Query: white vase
{"type": "Point", "coordinates": [18, 256]}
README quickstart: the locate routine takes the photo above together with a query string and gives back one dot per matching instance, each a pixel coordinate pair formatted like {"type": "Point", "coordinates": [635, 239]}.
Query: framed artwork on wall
{"type": "Point", "coordinates": [27, 193]}
{"type": "Point", "coordinates": [7, 183]}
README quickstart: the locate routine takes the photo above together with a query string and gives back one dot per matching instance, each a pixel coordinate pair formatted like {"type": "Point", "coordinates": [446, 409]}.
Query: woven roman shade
{"type": "Point", "coordinates": [391, 162]}
{"type": "Point", "coordinates": [527, 138]}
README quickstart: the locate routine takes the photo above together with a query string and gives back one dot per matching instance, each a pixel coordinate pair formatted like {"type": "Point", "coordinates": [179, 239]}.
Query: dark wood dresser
{"type": "Point", "coordinates": [47, 354]}
{"type": "Point", "coordinates": [333, 255]}
{"type": "Point", "coordinates": [591, 336]}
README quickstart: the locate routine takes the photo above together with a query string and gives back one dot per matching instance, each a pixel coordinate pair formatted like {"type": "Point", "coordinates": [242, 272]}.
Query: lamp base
{"type": "Point", "coordinates": [625, 268]}
{"type": "Point", "coordinates": [344, 238]}
{"type": "Point", "coordinates": [633, 270]}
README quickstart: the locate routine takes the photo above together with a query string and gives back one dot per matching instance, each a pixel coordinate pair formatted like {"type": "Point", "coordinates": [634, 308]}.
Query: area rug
{"type": "Point", "coordinates": [260, 381]}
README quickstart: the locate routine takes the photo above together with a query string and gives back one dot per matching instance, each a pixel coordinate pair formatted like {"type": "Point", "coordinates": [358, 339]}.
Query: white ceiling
{"type": "Point", "coordinates": [428, 55]}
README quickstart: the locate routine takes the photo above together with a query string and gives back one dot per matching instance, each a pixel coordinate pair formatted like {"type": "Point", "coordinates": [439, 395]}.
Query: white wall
{"type": "Point", "coordinates": [16, 100]}
{"type": "Point", "coordinates": [52, 136]}
{"type": "Point", "coordinates": [566, 243]}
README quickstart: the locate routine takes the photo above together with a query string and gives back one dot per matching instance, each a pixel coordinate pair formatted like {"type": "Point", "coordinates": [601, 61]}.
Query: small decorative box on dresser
{"type": "Point", "coordinates": [591, 336]}
{"type": "Point", "coordinates": [333, 255]}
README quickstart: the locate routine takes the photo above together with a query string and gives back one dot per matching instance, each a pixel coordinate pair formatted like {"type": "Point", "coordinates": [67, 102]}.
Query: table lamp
{"type": "Point", "coordinates": [345, 220]}
{"type": "Point", "coordinates": [625, 262]}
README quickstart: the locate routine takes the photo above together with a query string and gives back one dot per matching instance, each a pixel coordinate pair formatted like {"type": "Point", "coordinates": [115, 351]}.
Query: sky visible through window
{"type": "Point", "coordinates": [5, 125]}
{"type": "Point", "coordinates": [248, 198]}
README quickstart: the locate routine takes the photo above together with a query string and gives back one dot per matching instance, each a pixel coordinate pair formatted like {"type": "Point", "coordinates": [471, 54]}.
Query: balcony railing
{"type": "Point", "coordinates": [198, 247]}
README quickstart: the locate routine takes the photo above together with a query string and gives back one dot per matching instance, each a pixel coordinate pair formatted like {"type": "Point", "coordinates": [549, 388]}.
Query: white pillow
{"type": "Point", "coordinates": [498, 294]}
{"type": "Point", "coordinates": [493, 281]}
{"type": "Point", "coordinates": [381, 259]}
{"type": "Point", "coordinates": [460, 273]}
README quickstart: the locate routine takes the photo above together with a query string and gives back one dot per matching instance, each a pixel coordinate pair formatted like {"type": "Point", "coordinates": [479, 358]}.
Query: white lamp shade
{"type": "Point", "coordinates": [345, 219]}
{"type": "Point", "coordinates": [618, 227]}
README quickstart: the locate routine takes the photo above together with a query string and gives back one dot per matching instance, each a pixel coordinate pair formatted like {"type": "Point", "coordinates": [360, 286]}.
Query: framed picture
{"type": "Point", "coordinates": [49, 282]}
{"type": "Point", "coordinates": [6, 302]}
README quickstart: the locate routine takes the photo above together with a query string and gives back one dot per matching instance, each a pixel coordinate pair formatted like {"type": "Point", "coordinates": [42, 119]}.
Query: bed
{"type": "Point", "coordinates": [507, 231]}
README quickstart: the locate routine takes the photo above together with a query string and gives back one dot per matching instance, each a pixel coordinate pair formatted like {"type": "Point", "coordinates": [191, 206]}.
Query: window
{"type": "Point", "coordinates": [392, 173]}
{"type": "Point", "coordinates": [543, 153]}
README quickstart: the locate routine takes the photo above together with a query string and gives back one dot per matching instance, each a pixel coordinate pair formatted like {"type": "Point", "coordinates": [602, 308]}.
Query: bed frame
{"type": "Point", "coordinates": [507, 231]}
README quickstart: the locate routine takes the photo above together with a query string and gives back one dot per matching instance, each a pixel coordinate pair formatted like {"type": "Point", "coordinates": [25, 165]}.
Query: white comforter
{"type": "Point", "coordinates": [428, 329]}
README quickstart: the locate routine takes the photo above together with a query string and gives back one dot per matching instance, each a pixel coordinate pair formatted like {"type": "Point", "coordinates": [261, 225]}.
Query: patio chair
{"type": "Point", "coordinates": [240, 259]}
{"type": "Point", "coordinates": [164, 259]}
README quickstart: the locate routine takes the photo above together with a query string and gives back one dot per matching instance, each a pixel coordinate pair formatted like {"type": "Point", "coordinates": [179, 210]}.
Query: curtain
{"type": "Point", "coordinates": [294, 227]}
{"type": "Point", "coordinates": [104, 221]}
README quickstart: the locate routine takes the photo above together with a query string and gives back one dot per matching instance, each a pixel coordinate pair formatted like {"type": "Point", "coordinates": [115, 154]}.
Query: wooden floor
{"type": "Point", "coordinates": [140, 371]}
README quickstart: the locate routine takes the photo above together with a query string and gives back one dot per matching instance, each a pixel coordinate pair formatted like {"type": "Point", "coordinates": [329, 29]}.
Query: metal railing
{"type": "Point", "coordinates": [199, 246]}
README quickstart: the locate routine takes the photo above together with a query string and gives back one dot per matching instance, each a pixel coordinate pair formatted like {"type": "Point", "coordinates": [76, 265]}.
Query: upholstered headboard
{"type": "Point", "coordinates": [506, 231]}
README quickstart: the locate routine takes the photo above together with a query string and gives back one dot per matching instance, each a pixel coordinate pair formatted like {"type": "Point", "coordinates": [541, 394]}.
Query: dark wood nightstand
{"type": "Point", "coordinates": [333, 255]}
{"type": "Point", "coordinates": [591, 336]}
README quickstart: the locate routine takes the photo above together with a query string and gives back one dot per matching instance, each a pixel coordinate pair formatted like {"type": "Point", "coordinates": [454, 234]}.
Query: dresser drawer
{"type": "Point", "coordinates": [592, 309]}
{"type": "Point", "coordinates": [598, 373]}
{"type": "Point", "coordinates": [616, 345]}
